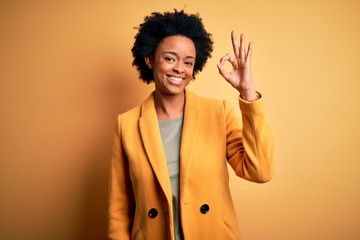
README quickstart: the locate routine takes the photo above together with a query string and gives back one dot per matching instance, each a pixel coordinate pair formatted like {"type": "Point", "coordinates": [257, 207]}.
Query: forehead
{"type": "Point", "coordinates": [178, 44]}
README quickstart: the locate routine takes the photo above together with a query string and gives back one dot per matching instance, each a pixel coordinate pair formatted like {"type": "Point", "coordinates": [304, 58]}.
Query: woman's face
{"type": "Point", "coordinates": [173, 64]}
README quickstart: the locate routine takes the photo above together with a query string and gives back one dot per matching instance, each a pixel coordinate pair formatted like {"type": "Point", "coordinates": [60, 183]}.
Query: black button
{"type": "Point", "coordinates": [204, 209]}
{"type": "Point", "coordinates": [153, 213]}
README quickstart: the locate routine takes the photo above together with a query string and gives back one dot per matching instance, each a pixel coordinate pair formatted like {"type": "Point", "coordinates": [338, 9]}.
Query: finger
{"type": "Point", "coordinates": [229, 58]}
{"type": "Point", "coordinates": [220, 65]}
{"type": "Point", "coordinates": [235, 44]}
{"type": "Point", "coordinates": [223, 72]}
{"type": "Point", "coordinates": [242, 47]}
{"type": "Point", "coordinates": [249, 53]}
{"type": "Point", "coordinates": [225, 58]}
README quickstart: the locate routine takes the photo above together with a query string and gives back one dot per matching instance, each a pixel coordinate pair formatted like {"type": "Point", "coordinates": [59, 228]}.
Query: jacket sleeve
{"type": "Point", "coordinates": [121, 197]}
{"type": "Point", "coordinates": [250, 148]}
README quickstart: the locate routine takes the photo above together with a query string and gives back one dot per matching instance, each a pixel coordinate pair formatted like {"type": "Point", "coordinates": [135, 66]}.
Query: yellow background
{"type": "Point", "coordinates": [65, 73]}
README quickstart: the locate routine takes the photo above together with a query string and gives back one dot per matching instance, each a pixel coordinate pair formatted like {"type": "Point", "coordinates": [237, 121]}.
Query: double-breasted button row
{"type": "Point", "coordinates": [153, 212]}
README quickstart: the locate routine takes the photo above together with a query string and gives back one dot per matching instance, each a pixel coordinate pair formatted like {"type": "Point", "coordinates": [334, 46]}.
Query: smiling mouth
{"type": "Point", "coordinates": [175, 79]}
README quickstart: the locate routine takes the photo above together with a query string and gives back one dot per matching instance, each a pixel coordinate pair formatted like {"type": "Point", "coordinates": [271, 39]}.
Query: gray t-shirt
{"type": "Point", "coordinates": [170, 131]}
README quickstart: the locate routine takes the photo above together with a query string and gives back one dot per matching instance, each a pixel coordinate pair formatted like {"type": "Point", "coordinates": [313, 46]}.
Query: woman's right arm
{"type": "Point", "coordinates": [121, 196]}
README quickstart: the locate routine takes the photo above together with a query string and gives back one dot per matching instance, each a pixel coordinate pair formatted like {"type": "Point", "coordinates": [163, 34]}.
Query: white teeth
{"type": "Point", "coordinates": [176, 79]}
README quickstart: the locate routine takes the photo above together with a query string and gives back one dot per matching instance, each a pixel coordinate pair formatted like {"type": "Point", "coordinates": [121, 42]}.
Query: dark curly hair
{"type": "Point", "coordinates": [158, 26]}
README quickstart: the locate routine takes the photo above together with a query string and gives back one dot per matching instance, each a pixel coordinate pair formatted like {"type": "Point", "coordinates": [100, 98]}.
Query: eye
{"type": "Point", "coordinates": [169, 59]}
{"type": "Point", "coordinates": [188, 63]}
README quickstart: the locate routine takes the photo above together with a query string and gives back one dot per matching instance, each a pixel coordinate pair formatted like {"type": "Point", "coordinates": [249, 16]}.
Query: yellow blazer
{"type": "Point", "coordinates": [140, 202]}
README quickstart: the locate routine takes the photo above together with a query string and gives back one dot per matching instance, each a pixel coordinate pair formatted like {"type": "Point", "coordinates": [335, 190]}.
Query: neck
{"type": "Point", "coordinates": [169, 106]}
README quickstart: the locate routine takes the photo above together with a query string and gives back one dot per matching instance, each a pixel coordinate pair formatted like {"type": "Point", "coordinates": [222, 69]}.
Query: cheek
{"type": "Point", "coordinates": [190, 72]}
{"type": "Point", "coordinates": [164, 67]}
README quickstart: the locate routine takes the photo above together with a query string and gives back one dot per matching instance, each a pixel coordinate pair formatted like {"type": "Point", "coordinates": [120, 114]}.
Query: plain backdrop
{"type": "Point", "coordinates": [65, 73]}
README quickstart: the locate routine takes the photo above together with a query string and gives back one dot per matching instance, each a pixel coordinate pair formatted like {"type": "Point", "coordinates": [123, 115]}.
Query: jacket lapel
{"type": "Point", "coordinates": [150, 133]}
{"type": "Point", "coordinates": [189, 138]}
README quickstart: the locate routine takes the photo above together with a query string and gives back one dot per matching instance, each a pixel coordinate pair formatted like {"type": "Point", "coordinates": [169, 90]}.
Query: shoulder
{"type": "Point", "coordinates": [207, 104]}
{"type": "Point", "coordinates": [131, 113]}
{"type": "Point", "coordinates": [136, 112]}
{"type": "Point", "coordinates": [194, 98]}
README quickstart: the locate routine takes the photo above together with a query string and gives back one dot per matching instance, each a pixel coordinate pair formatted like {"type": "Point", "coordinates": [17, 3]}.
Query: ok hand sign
{"type": "Point", "coordinates": [240, 76]}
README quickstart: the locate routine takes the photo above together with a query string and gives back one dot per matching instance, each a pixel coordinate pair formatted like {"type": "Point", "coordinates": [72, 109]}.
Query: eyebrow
{"type": "Point", "coordinates": [174, 53]}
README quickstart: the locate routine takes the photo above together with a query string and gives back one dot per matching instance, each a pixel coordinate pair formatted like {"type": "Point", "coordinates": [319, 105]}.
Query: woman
{"type": "Point", "coordinates": [169, 177]}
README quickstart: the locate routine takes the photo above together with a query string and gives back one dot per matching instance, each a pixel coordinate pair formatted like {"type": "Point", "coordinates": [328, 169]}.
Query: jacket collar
{"type": "Point", "coordinates": [189, 138]}
{"type": "Point", "coordinates": [150, 133]}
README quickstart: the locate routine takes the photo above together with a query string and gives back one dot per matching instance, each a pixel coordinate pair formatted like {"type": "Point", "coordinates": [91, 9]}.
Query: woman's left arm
{"type": "Point", "coordinates": [249, 143]}
{"type": "Point", "coordinates": [250, 147]}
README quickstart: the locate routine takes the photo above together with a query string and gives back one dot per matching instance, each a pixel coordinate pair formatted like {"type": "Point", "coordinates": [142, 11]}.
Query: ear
{"type": "Point", "coordinates": [148, 61]}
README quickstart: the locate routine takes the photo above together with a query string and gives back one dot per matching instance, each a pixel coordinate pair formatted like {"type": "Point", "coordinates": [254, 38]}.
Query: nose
{"type": "Point", "coordinates": [178, 67]}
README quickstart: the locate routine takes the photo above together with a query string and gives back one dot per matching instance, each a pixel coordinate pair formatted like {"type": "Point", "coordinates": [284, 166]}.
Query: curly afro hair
{"type": "Point", "coordinates": [158, 26]}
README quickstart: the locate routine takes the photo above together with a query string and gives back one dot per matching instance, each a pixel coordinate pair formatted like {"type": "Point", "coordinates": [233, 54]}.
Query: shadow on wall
{"type": "Point", "coordinates": [120, 92]}
{"type": "Point", "coordinates": [94, 204]}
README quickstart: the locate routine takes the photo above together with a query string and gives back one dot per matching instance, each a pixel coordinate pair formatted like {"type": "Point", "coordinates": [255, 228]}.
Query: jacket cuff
{"type": "Point", "coordinates": [254, 107]}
